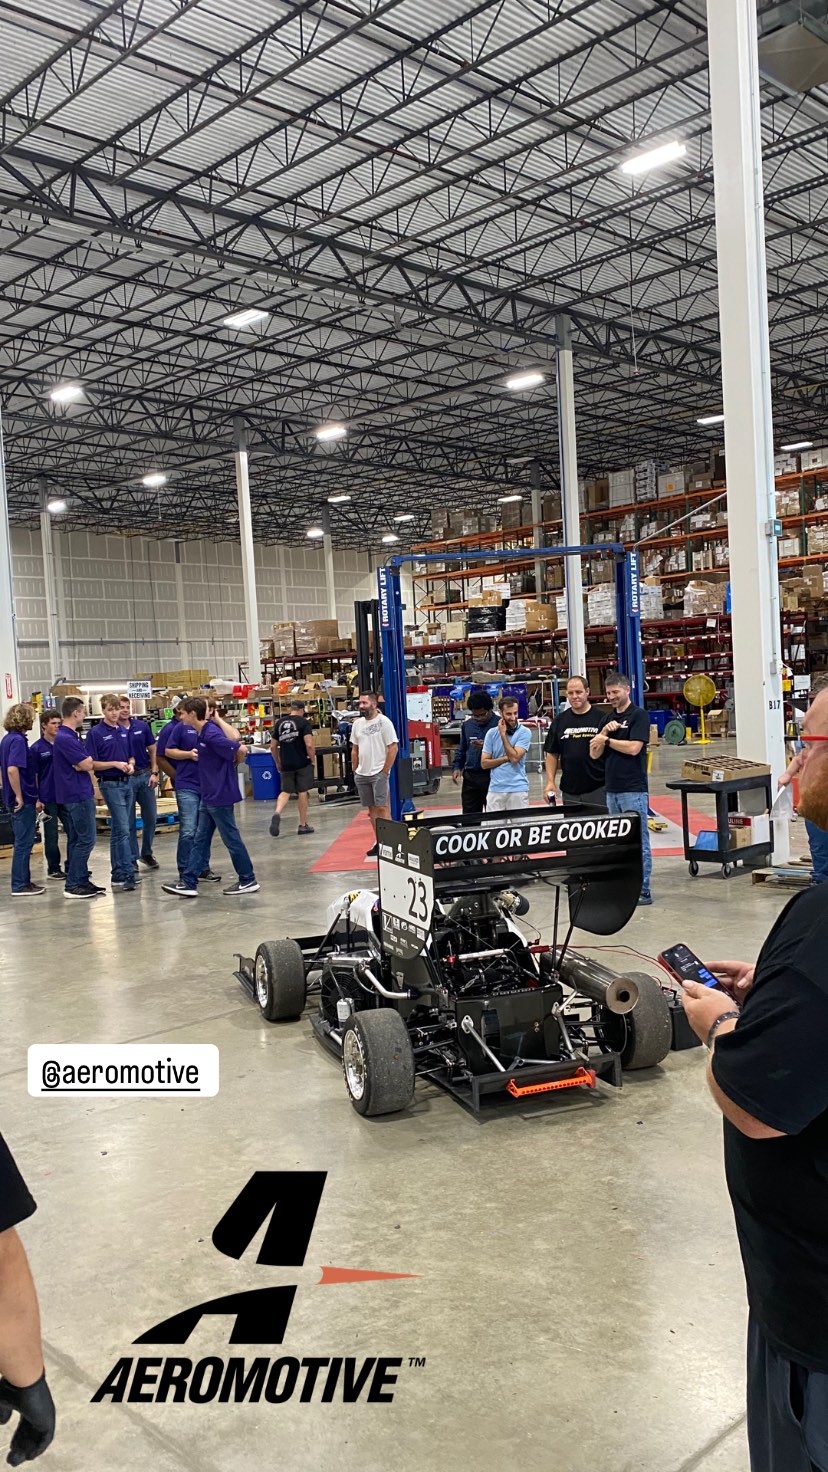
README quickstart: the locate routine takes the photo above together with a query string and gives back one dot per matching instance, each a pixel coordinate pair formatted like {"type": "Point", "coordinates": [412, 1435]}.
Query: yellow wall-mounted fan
{"type": "Point", "coordinates": [699, 690]}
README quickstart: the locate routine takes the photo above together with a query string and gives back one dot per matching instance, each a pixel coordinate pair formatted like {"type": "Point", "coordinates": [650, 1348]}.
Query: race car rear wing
{"type": "Point", "coordinates": [597, 856]}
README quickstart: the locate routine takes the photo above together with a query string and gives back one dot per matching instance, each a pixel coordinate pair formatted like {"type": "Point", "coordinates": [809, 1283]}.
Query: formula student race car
{"type": "Point", "coordinates": [433, 976]}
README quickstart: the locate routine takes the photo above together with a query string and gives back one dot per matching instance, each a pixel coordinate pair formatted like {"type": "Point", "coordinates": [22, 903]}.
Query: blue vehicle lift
{"type": "Point", "coordinates": [628, 618]}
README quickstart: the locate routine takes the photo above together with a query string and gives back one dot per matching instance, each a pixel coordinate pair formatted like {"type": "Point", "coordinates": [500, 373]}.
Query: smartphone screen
{"type": "Point", "coordinates": [686, 966]}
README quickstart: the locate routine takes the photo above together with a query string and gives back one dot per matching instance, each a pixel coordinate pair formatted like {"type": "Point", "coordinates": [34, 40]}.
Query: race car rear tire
{"type": "Point", "coordinates": [378, 1062]}
{"type": "Point", "coordinates": [279, 976]}
{"type": "Point", "coordinates": [649, 1031]}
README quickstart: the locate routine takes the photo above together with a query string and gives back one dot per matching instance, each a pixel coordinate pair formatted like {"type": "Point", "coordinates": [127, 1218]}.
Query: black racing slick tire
{"type": "Point", "coordinates": [279, 977]}
{"type": "Point", "coordinates": [378, 1062]}
{"type": "Point", "coordinates": [649, 1031]}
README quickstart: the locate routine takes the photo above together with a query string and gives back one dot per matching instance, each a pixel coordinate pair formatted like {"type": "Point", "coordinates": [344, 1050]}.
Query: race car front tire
{"type": "Point", "coordinates": [378, 1062]}
{"type": "Point", "coordinates": [279, 975]}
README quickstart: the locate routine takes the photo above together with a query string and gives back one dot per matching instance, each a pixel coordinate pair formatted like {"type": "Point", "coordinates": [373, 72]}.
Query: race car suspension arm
{"type": "Point", "coordinates": [468, 1026]}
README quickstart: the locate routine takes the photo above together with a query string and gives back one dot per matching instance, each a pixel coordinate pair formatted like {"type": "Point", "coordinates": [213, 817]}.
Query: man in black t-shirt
{"type": "Point", "coordinates": [566, 749]}
{"type": "Point", "coordinates": [293, 752]}
{"type": "Point", "coordinates": [768, 1037]}
{"type": "Point", "coordinates": [622, 741]}
{"type": "Point", "coordinates": [23, 1388]}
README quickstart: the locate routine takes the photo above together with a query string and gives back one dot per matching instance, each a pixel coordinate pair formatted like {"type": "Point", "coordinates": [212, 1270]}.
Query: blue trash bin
{"type": "Point", "coordinates": [266, 781]}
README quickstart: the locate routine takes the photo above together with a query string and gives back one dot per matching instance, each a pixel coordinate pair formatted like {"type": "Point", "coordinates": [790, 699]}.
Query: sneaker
{"type": "Point", "coordinates": [98, 888]}
{"type": "Point", "coordinates": [208, 874]}
{"type": "Point", "coordinates": [275, 825]}
{"type": "Point", "coordinates": [645, 898]}
{"type": "Point", "coordinates": [126, 887]}
{"type": "Point", "coordinates": [29, 889]}
{"type": "Point", "coordinates": [150, 860]}
{"type": "Point", "coordinates": [305, 828]}
{"type": "Point", "coordinates": [83, 892]}
{"type": "Point", "coordinates": [56, 874]}
{"type": "Point", "coordinates": [372, 852]}
{"type": "Point", "coordinates": [181, 890]}
{"type": "Point", "coordinates": [250, 886]}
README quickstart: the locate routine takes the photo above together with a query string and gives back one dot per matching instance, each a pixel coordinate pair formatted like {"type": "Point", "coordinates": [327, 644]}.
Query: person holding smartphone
{"type": "Point", "coordinates": [466, 764]}
{"type": "Point", "coordinates": [767, 1031]}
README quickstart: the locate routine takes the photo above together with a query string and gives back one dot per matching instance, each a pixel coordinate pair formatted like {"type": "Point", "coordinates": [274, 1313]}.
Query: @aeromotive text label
{"type": "Point", "coordinates": [124, 1069]}
{"type": "Point", "coordinates": [286, 1203]}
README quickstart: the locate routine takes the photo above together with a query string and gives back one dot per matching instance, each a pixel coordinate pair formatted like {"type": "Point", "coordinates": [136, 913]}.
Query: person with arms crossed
{"type": "Point", "coordinates": [293, 755]}
{"type": "Point", "coordinates": [566, 750]}
{"type": "Point", "coordinates": [621, 744]}
{"type": "Point", "coordinates": [767, 1032]}
{"type": "Point", "coordinates": [467, 759]}
{"type": "Point", "coordinates": [218, 746]}
{"type": "Point", "coordinates": [23, 1388]}
{"type": "Point", "coordinates": [43, 753]}
{"type": "Point", "coordinates": [144, 782]}
{"type": "Point", "coordinates": [504, 757]}
{"type": "Point", "coordinates": [75, 793]}
{"type": "Point", "coordinates": [20, 796]}
{"type": "Point", "coordinates": [374, 748]}
{"type": "Point", "coordinates": [181, 754]}
{"type": "Point", "coordinates": [108, 744]}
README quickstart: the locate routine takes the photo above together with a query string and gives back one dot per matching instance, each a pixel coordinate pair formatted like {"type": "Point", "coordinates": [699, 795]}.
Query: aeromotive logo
{"type": "Point", "coordinates": [288, 1201]}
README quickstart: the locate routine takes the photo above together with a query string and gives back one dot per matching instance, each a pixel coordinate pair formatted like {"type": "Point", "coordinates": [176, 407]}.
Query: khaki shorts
{"type": "Point", "coordinates": [502, 802]}
{"type": "Point", "coordinates": [373, 791]}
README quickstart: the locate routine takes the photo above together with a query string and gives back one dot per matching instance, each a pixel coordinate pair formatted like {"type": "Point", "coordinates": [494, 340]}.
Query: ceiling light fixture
{"type": "Point", "coordinates": [154, 479]}
{"type": "Point", "coordinates": [338, 500]}
{"type": "Point", "coordinates": [55, 507]}
{"type": "Point", "coordinates": [66, 393]}
{"type": "Point", "coordinates": [409, 516]}
{"type": "Point", "coordinates": [666, 153]}
{"type": "Point", "coordinates": [504, 499]}
{"type": "Point", "coordinates": [390, 537]}
{"type": "Point", "coordinates": [799, 445]}
{"type": "Point", "coordinates": [711, 419]}
{"type": "Point", "coordinates": [315, 532]}
{"type": "Point", "coordinates": [248, 318]}
{"type": "Point", "coordinates": [525, 380]}
{"type": "Point", "coordinates": [331, 432]}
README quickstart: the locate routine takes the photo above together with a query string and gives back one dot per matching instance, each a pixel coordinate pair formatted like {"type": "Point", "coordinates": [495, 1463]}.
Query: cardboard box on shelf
{"type": "Point", "coordinates": [672, 482]}
{"type": "Point", "coordinates": [601, 605]}
{"type": "Point", "coordinates": [514, 513]}
{"type": "Point", "coordinates": [455, 629]}
{"type": "Point", "coordinates": [621, 487]}
{"type": "Point", "coordinates": [651, 599]}
{"type": "Point", "coordinates": [786, 464]}
{"type": "Point", "coordinates": [702, 597]}
{"type": "Point", "coordinates": [817, 538]}
{"type": "Point", "coordinates": [717, 722]}
{"type": "Point", "coordinates": [539, 617]}
{"type": "Point", "coordinates": [654, 736]}
{"type": "Point", "coordinates": [718, 469]}
{"type": "Point", "coordinates": [788, 547]}
{"type": "Point", "coordinates": [551, 506]}
{"type": "Point", "coordinates": [739, 830]}
{"type": "Point", "coordinates": [815, 459]}
{"type": "Point", "coordinates": [189, 678]}
{"type": "Point", "coordinates": [721, 769]}
{"type": "Point", "coordinates": [266, 650]}
{"type": "Point", "coordinates": [597, 494]}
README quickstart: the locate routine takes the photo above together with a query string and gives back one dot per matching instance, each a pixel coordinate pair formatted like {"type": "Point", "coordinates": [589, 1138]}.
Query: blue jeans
{"type": "Point", "coordinates": [145, 797]}
{"type": "Point", "coordinates": [189, 808]}
{"type": "Point", "coordinates": [209, 819]}
{"type": "Point", "coordinates": [118, 798]}
{"type": "Point", "coordinates": [24, 827]}
{"type": "Point", "coordinates": [82, 834]}
{"type": "Point", "coordinates": [818, 844]}
{"type": "Point", "coordinates": [636, 802]}
{"type": "Point", "coordinates": [54, 811]}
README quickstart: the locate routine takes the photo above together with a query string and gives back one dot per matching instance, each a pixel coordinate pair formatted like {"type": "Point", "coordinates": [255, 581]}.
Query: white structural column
{"type": "Point", "coordinates": [571, 511]}
{"type": "Point", "coordinates": [251, 607]}
{"type": "Point", "coordinates": [743, 325]}
{"type": "Point", "coordinates": [50, 588]}
{"type": "Point", "coordinates": [330, 576]}
{"type": "Point", "coordinates": [538, 538]}
{"type": "Point", "coordinates": [9, 676]}
{"type": "Point", "coordinates": [181, 606]}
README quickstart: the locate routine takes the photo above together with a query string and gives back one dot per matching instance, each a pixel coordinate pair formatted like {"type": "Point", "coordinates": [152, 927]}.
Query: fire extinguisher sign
{"type": "Point", "coordinates": [9, 687]}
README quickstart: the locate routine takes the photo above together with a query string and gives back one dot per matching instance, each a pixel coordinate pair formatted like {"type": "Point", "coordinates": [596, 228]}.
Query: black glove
{"type": "Point", "coordinates": [36, 1426]}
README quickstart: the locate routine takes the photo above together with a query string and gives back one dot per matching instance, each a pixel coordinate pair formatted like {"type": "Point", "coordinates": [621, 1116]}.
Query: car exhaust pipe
{"type": "Point", "coordinates": [616, 993]}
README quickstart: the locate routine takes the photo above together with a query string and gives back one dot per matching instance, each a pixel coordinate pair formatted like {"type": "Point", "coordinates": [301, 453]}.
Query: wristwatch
{"type": "Point", "coordinates": [723, 1017]}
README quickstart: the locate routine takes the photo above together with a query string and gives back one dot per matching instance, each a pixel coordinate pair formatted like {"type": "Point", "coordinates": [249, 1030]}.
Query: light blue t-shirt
{"type": "Point", "coordinates": [511, 777]}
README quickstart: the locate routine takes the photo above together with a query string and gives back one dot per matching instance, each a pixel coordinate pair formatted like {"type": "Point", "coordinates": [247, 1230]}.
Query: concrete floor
{"type": "Point", "coordinates": [578, 1299]}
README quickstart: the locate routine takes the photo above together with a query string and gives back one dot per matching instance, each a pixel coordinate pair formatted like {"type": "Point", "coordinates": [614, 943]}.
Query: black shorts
{"type": "Point", "coordinates": [15, 1201]}
{"type": "Point", "coordinates": [298, 779]}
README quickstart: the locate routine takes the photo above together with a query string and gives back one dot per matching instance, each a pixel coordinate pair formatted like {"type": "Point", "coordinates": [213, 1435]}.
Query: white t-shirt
{"type": "Point", "coordinates": [373, 739]}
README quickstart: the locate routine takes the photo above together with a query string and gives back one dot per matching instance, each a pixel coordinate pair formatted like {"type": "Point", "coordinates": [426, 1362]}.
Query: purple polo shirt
{"type": "Point", "coordinates": [109, 744]}
{"type": "Point", "coordinates": [70, 786]}
{"type": "Point", "coordinates": [140, 738]}
{"type": "Point", "coordinates": [162, 740]}
{"type": "Point", "coordinates": [42, 756]}
{"type": "Point", "coordinates": [187, 774]}
{"type": "Point", "coordinates": [217, 767]}
{"type": "Point", "coordinates": [14, 752]}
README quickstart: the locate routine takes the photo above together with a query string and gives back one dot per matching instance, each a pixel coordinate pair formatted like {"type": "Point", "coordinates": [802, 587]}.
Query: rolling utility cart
{"type": "Point", "coordinates": [726, 791]}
